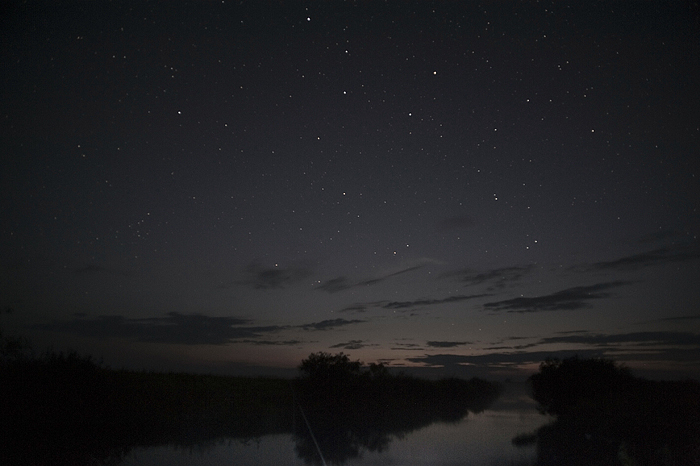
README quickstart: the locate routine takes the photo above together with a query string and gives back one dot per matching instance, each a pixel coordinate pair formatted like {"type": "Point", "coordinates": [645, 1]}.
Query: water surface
{"type": "Point", "coordinates": [483, 438]}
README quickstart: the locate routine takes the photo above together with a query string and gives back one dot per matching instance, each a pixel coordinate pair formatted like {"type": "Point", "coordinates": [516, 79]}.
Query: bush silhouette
{"type": "Point", "coordinates": [607, 416]}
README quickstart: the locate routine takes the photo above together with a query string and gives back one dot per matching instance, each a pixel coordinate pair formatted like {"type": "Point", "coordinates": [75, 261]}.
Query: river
{"type": "Point", "coordinates": [484, 438]}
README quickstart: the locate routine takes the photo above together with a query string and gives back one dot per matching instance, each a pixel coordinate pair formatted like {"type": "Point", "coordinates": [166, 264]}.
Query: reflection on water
{"type": "Point", "coordinates": [364, 415]}
{"type": "Point", "coordinates": [479, 438]}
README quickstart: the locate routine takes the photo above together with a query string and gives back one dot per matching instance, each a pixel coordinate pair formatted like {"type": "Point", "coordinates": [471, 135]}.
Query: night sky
{"type": "Point", "coordinates": [473, 187]}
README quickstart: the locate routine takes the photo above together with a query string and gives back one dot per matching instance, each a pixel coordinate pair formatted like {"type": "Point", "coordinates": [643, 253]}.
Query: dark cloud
{"type": "Point", "coordinates": [374, 281]}
{"type": "Point", "coordinates": [504, 340]}
{"type": "Point", "coordinates": [496, 278]}
{"type": "Point", "coordinates": [330, 324]}
{"type": "Point", "coordinates": [637, 338]}
{"type": "Point", "coordinates": [262, 278]}
{"type": "Point", "coordinates": [678, 319]}
{"type": "Point", "coordinates": [565, 300]}
{"type": "Point", "coordinates": [342, 283]}
{"type": "Point", "coordinates": [335, 284]}
{"type": "Point", "coordinates": [526, 346]}
{"type": "Point", "coordinates": [497, 359]}
{"type": "Point", "coordinates": [174, 328]}
{"type": "Point", "coordinates": [351, 345]}
{"type": "Point", "coordinates": [457, 223]}
{"type": "Point", "coordinates": [271, 342]}
{"type": "Point", "coordinates": [447, 344]}
{"type": "Point", "coordinates": [408, 346]}
{"type": "Point", "coordinates": [620, 342]}
{"type": "Point", "coordinates": [676, 355]}
{"type": "Point", "coordinates": [646, 259]}
{"type": "Point", "coordinates": [406, 270]}
{"type": "Point", "coordinates": [355, 308]}
{"type": "Point", "coordinates": [431, 302]}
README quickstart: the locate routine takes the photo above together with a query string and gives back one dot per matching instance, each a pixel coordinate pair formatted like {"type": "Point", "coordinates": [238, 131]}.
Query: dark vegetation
{"type": "Point", "coordinates": [62, 408]}
{"type": "Point", "coordinates": [606, 416]}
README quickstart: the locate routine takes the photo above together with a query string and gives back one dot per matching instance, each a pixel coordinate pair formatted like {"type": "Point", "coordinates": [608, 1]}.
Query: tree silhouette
{"type": "Point", "coordinates": [325, 366]}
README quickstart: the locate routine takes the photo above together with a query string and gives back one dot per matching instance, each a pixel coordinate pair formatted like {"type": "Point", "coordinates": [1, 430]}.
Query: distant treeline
{"type": "Point", "coordinates": [64, 408]}
{"type": "Point", "coordinates": [607, 416]}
